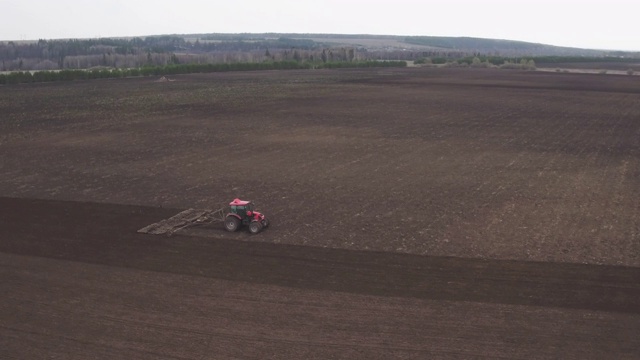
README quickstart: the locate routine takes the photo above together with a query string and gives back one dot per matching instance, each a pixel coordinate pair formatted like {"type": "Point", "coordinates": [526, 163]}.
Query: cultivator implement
{"type": "Point", "coordinates": [183, 220]}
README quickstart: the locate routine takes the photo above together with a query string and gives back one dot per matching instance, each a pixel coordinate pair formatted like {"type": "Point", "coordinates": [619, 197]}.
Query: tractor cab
{"type": "Point", "coordinates": [242, 213]}
{"type": "Point", "coordinates": [241, 207]}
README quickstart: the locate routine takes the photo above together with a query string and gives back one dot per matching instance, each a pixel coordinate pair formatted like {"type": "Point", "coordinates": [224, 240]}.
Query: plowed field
{"type": "Point", "coordinates": [416, 213]}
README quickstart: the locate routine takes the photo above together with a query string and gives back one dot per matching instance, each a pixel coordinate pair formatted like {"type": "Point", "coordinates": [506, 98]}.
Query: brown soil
{"type": "Point", "coordinates": [452, 162]}
{"type": "Point", "coordinates": [415, 213]}
{"type": "Point", "coordinates": [79, 283]}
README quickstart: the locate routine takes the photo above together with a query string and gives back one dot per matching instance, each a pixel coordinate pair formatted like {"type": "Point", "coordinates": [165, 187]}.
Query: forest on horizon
{"type": "Point", "coordinates": [137, 52]}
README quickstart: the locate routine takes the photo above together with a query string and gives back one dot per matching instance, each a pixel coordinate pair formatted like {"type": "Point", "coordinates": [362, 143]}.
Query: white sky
{"type": "Point", "coordinates": [611, 24]}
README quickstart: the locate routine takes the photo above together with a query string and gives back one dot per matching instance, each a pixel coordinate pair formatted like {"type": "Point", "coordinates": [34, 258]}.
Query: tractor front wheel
{"type": "Point", "coordinates": [255, 227]}
{"type": "Point", "coordinates": [231, 223]}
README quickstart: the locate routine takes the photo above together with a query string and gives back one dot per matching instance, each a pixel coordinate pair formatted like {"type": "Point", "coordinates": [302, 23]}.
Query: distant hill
{"type": "Point", "coordinates": [500, 47]}
{"type": "Point", "coordinates": [466, 45]}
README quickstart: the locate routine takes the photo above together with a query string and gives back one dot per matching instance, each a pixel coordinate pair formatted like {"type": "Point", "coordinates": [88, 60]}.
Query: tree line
{"type": "Point", "coordinates": [24, 55]}
{"type": "Point", "coordinates": [156, 51]}
{"type": "Point", "coordinates": [229, 48]}
{"type": "Point", "coordinates": [174, 69]}
{"type": "Point", "coordinates": [167, 50]}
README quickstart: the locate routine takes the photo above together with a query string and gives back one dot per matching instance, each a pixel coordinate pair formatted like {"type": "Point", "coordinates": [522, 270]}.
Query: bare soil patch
{"type": "Point", "coordinates": [79, 282]}
{"type": "Point", "coordinates": [415, 213]}
{"type": "Point", "coordinates": [451, 162]}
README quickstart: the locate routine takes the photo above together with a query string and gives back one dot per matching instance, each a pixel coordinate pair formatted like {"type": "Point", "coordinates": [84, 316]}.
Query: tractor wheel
{"type": "Point", "coordinates": [231, 223]}
{"type": "Point", "coordinates": [255, 227]}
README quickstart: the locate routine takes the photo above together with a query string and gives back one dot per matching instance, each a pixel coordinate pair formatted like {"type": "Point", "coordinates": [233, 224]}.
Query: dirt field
{"type": "Point", "coordinates": [610, 66]}
{"type": "Point", "coordinates": [416, 213]}
{"type": "Point", "coordinates": [79, 282]}
{"type": "Point", "coordinates": [469, 163]}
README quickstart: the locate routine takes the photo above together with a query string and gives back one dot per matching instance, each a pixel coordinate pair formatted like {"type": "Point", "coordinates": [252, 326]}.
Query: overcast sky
{"type": "Point", "coordinates": [611, 24]}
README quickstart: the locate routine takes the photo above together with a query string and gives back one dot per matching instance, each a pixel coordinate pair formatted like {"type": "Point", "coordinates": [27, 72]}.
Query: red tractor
{"type": "Point", "coordinates": [242, 213]}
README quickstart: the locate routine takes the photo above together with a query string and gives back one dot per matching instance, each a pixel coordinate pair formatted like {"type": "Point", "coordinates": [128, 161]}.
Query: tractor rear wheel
{"type": "Point", "coordinates": [231, 223]}
{"type": "Point", "coordinates": [255, 227]}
